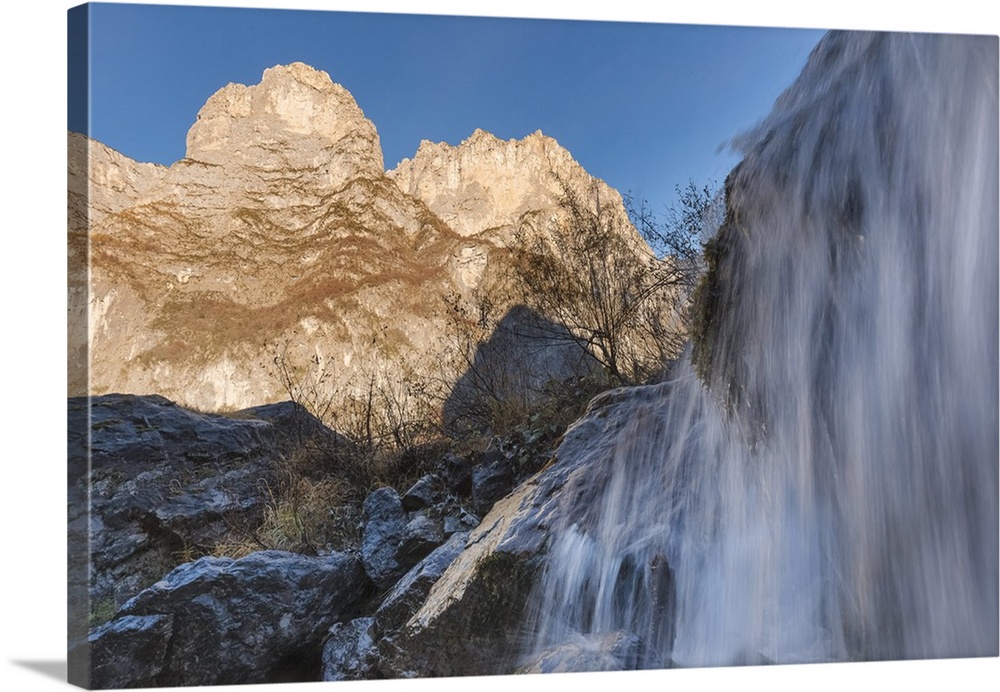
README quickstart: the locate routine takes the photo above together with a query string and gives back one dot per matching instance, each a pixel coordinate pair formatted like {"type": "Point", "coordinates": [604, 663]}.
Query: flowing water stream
{"type": "Point", "coordinates": [832, 494]}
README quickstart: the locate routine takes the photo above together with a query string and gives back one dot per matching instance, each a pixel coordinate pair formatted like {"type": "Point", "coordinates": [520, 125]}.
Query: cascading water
{"type": "Point", "coordinates": [832, 493]}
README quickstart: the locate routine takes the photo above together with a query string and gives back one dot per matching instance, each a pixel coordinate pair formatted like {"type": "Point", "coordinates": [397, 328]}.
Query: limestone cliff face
{"type": "Point", "coordinates": [280, 233]}
{"type": "Point", "coordinates": [107, 179]}
{"type": "Point", "coordinates": [488, 185]}
{"type": "Point", "coordinates": [294, 136]}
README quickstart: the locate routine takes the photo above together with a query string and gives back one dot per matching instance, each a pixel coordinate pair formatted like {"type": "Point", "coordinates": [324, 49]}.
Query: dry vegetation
{"type": "Point", "coordinates": [601, 288]}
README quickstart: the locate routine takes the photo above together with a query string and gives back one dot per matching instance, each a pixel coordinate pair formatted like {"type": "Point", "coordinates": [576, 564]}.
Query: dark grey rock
{"type": "Point", "coordinates": [257, 619]}
{"type": "Point", "coordinates": [456, 472]}
{"type": "Point", "coordinates": [163, 479]}
{"type": "Point", "coordinates": [393, 541]}
{"type": "Point", "coordinates": [384, 521]}
{"type": "Point", "coordinates": [463, 522]}
{"type": "Point", "coordinates": [135, 643]}
{"type": "Point", "coordinates": [491, 480]}
{"type": "Point", "coordinates": [421, 535]}
{"type": "Point", "coordinates": [166, 482]}
{"type": "Point", "coordinates": [410, 591]}
{"type": "Point", "coordinates": [295, 426]}
{"type": "Point", "coordinates": [349, 652]}
{"type": "Point", "coordinates": [424, 493]}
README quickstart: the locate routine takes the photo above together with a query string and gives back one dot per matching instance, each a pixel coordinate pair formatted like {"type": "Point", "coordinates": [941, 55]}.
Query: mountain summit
{"type": "Point", "coordinates": [296, 119]}
{"type": "Point", "coordinates": [280, 242]}
{"type": "Point", "coordinates": [486, 183]}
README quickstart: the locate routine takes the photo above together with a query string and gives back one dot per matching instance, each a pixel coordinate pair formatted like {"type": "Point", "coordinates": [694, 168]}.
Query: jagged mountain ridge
{"type": "Point", "coordinates": [281, 230]}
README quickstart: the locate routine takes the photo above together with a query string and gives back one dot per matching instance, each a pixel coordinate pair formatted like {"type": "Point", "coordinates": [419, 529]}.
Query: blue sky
{"type": "Point", "coordinates": [644, 106]}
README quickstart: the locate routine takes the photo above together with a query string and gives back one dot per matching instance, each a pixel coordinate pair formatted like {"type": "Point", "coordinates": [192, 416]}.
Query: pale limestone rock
{"type": "Point", "coordinates": [280, 231]}
{"type": "Point", "coordinates": [486, 183]}
{"type": "Point", "coordinates": [111, 180]}
{"type": "Point", "coordinates": [296, 121]}
{"type": "Point", "coordinates": [469, 263]}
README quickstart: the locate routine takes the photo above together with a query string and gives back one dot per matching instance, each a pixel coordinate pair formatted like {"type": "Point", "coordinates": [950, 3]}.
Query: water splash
{"type": "Point", "coordinates": [832, 494]}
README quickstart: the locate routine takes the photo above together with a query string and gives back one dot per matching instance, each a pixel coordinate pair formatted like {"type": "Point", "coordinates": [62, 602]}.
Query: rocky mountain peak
{"type": "Point", "coordinates": [280, 231]}
{"type": "Point", "coordinates": [295, 119]}
{"type": "Point", "coordinates": [485, 183]}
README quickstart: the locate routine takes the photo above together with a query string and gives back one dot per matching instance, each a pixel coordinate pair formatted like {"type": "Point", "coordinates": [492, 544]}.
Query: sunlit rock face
{"type": "Point", "coordinates": [280, 233]}
{"type": "Point", "coordinates": [296, 124]}
{"type": "Point", "coordinates": [486, 183]}
{"type": "Point", "coordinates": [106, 179]}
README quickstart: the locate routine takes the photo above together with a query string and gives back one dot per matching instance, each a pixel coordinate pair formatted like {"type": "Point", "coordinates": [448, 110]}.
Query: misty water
{"type": "Point", "coordinates": [832, 493]}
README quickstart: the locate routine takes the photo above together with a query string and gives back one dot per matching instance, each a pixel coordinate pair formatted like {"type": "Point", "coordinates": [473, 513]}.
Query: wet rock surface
{"type": "Point", "coordinates": [616, 651]}
{"type": "Point", "coordinates": [473, 618]}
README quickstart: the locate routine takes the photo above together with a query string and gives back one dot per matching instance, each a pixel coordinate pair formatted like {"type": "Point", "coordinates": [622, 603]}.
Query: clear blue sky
{"type": "Point", "coordinates": [646, 107]}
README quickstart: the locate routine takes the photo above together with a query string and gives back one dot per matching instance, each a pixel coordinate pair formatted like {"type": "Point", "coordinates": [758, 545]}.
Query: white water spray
{"type": "Point", "coordinates": [833, 493]}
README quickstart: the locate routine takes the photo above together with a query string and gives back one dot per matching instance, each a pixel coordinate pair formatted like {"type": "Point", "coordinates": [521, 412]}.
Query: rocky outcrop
{"type": "Point", "coordinates": [472, 618]}
{"type": "Point", "coordinates": [291, 121]}
{"type": "Point", "coordinates": [103, 181]}
{"type": "Point", "coordinates": [487, 184]}
{"type": "Point", "coordinates": [223, 621]}
{"type": "Point", "coordinates": [491, 481]}
{"type": "Point", "coordinates": [431, 590]}
{"type": "Point", "coordinates": [355, 650]}
{"type": "Point", "coordinates": [165, 483]}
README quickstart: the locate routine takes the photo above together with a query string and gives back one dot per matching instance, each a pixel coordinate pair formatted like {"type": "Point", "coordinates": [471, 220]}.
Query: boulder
{"type": "Point", "coordinates": [424, 493]}
{"type": "Point", "coordinates": [457, 473]}
{"type": "Point", "coordinates": [352, 649]}
{"type": "Point", "coordinates": [409, 592]}
{"type": "Point", "coordinates": [491, 480]}
{"type": "Point", "coordinates": [384, 520]}
{"type": "Point", "coordinates": [349, 652]}
{"type": "Point", "coordinates": [421, 535]}
{"type": "Point", "coordinates": [223, 621]}
{"type": "Point", "coordinates": [393, 541]}
{"type": "Point", "coordinates": [164, 482]}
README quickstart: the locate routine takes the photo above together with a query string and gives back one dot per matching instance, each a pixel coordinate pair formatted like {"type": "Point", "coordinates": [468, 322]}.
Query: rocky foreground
{"type": "Point", "coordinates": [438, 583]}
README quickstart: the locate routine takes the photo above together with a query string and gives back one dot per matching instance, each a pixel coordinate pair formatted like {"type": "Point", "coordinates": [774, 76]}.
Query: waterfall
{"type": "Point", "coordinates": [819, 480]}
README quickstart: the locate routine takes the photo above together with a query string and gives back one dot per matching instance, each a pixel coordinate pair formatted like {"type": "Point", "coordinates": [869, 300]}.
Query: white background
{"type": "Point", "coordinates": [32, 383]}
